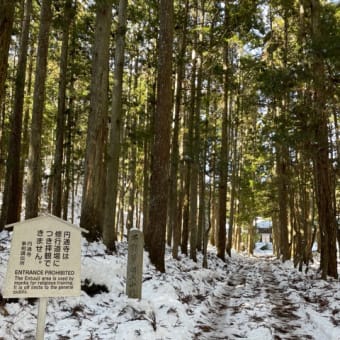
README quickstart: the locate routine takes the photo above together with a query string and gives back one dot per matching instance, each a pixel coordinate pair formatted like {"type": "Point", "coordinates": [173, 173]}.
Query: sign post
{"type": "Point", "coordinates": [41, 318]}
{"type": "Point", "coordinates": [44, 262]}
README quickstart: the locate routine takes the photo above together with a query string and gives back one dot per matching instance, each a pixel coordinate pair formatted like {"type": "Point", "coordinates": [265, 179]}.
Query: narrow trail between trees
{"type": "Point", "coordinates": [253, 305]}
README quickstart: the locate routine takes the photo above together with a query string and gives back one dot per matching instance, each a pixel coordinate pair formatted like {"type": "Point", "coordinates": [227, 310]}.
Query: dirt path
{"type": "Point", "coordinates": [251, 305]}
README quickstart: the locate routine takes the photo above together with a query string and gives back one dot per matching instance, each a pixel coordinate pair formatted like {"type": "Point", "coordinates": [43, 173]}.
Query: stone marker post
{"type": "Point", "coordinates": [135, 264]}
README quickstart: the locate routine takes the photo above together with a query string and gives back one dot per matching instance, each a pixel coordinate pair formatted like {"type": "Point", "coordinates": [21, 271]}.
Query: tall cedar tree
{"type": "Point", "coordinates": [113, 149]}
{"type": "Point", "coordinates": [322, 164]}
{"type": "Point", "coordinates": [61, 114]}
{"type": "Point", "coordinates": [283, 157]}
{"type": "Point", "coordinates": [94, 181]}
{"type": "Point", "coordinates": [174, 196]}
{"type": "Point", "coordinates": [34, 156]}
{"type": "Point", "coordinates": [11, 204]}
{"type": "Point", "coordinates": [155, 235]}
{"type": "Point", "coordinates": [6, 22]}
{"type": "Point", "coordinates": [223, 168]}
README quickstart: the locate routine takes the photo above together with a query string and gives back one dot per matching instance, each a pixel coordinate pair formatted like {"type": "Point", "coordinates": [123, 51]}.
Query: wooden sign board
{"type": "Point", "coordinates": [44, 259]}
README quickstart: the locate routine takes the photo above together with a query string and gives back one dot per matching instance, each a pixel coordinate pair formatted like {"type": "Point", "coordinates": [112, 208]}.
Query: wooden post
{"type": "Point", "coordinates": [135, 264]}
{"type": "Point", "coordinates": [41, 318]}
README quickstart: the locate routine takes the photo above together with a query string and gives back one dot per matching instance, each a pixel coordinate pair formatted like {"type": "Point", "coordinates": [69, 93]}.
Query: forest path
{"type": "Point", "coordinates": [252, 305]}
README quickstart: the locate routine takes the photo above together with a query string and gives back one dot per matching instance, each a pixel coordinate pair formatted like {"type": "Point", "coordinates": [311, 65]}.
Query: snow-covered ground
{"type": "Point", "coordinates": [243, 298]}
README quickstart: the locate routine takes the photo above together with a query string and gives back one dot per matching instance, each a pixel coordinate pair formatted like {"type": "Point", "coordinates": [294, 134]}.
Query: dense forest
{"type": "Point", "coordinates": [187, 119]}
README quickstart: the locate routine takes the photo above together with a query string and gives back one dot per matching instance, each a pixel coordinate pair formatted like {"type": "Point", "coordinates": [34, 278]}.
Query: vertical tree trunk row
{"type": "Point", "coordinates": [34, 156]}
{"type": "Point", "coordinates": [94, 178]}
{"type": "Point", "coordinates": [11, 204]}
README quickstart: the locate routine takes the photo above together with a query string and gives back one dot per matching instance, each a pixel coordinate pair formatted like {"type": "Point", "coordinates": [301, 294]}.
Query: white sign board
{"type": "Point", "coordinates": [44, 259]}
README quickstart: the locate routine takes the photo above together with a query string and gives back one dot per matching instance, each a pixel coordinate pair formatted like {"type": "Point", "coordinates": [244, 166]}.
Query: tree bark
{"type": "Point", "coordinates": [26, 121]}
{"type": "Point", "coordinates": [34, 156]}
{"type": "Point", "coordinates": [12, 191]}
{"type": "Point", "coordinates": [173, 193]}
{"type": "Point", "coordinates": [155, 237]}
{"type": "Point", "coordinates": [113, 149]}
{"type": "Point", "coordinates": [61, 114]}
{"type": "Point", "coordinates": [132, 180]}
{"type": "Point", "coordinates": [193, 145]}
{"type": "Point", "coordinates": [322, 167]}
{"type": "Point", "coordinates": [234, 187]}
{"type": "Point", "coordinates": [282, 173]}
{"type": "Point", "coordinates": [94, 178]}
{"type": "Point", "coordinates": [223, 166]}
{"type": "Point", "coordinates": [6, 23]}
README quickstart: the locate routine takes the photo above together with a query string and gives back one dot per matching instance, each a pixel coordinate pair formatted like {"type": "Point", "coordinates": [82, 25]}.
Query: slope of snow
{"type": "Point", "coordinates": [242, 298]}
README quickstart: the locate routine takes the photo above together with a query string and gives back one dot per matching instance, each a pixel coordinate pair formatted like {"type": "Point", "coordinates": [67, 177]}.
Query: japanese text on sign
{"type": "Point", "coordinates": [48, 264]}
